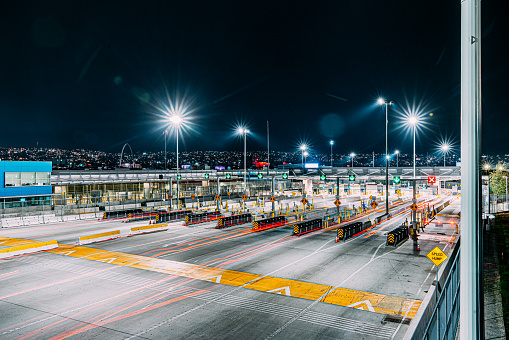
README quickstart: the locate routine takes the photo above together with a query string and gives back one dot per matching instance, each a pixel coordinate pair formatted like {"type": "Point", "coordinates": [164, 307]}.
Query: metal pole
{"type": "Point", "coordinates": [218, 202]}
{"type": "Point", "coordinates": [268, 150]}
{"type": "Point", "coordinates": [331, 144]}
{"type": "Point", "coordinates": [178, 198]}
{"type": "Point", "coordinates": [273, 204]}
{"type": "Point", "coordinates": [337, 195]}
{"type": "Point", "coordinates": [397, 160]}
{"type": "Point", "coordinates": [171, 193]}
{"type": "Point", "coordinates": [373, 159]}
{"type": "Point", "coordinates": [165, 133]}
{"type": "Point", "coordinates": [245, 166]}
{"type": "Point", "coordinates": [386, 159]}
{"type": "Point", "coordinates": [444, 158]}
{"type": "Point", "coordinates": [489, 195]}
{"type": "Point", "coordinates": [415, 127]}
{"type": "Point", "coordinates": [414, 201]}
{"type": "Point", "coordinates": [302, 160]}
{"type": "Point", "coordinates": [471, 315]}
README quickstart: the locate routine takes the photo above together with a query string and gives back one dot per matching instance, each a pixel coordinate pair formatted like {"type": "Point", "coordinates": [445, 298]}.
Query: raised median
{"type": "Point", "coordinates": [148, 229]}
{"type": "Point", "coordinates": [99, 237]}
{"type": "Point", "coordinates": [27, 248]}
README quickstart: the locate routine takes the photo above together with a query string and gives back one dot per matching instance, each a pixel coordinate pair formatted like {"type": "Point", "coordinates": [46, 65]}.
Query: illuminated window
{"type": "Point", "coordinates": [17, 179]}
{"type": "Point", "coordinates": [12, 179]}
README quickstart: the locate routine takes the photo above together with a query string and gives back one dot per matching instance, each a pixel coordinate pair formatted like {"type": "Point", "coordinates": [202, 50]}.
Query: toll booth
{"type": "Point", "coordinates": [434, 190]}
{"type": "Point", "coordinates": [363, 189]}
{"type": "Point", "coordinates": [380, 189]}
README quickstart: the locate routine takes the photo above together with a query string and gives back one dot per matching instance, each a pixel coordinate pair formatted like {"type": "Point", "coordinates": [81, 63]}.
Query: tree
{"type": "Point", "coordinates": [498, 180]}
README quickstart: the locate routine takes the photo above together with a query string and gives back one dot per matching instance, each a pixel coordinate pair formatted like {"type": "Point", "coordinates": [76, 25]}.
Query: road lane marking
{"type": "Point", "coordinates": [380, 303]}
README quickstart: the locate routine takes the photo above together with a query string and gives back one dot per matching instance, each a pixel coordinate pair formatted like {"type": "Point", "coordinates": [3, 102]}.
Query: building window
{"type": "Point", "coordinates": [27, 179]}
{"type": "Point", "coordinates": [42, 178]}
{"type": "Point", "coordinates": [12, 179]}
{"type": "Point", "coordinates": [17, 179]}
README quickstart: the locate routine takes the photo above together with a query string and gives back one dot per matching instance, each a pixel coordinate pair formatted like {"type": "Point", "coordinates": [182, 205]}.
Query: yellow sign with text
{"type": "Point", "coordinates": [437, 256]}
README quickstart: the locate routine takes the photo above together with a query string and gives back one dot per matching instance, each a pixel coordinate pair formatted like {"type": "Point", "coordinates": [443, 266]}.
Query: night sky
{"type": "Point", "coordinates": [97, 74]}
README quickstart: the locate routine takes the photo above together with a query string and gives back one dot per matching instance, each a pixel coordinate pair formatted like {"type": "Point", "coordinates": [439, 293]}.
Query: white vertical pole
{"type": "Point", "coordinates": [471, 316]}
{"type": "Point", "coordinates": [386, 160]}
{"type": "Point", "coordinates": [178, 198]}
{"type": "Point", "coordinates": [268, 150]}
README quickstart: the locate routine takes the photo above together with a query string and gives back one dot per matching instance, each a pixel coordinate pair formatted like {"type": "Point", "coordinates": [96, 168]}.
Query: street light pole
{"type": "Point", "coordinates": [178, 197]}
{"type": "Point", "coordinates": [245, 165]}
{"type": "Point", "coordinates": [303, 148]}
{"type": "Point", "coordinates": [331, 144]}
{"type": "Point", "coordinates": [165, 133]}
{"type": "Point", "coordinates": [352, 155]}
{"type": "Point", "coordinates": [177, 120]}
{"type": "Point", "coordinates": [397, 158]}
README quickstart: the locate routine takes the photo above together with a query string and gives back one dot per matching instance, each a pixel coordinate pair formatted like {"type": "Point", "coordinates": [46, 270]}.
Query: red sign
{"type": "Point", "coordinates": [432, 179]}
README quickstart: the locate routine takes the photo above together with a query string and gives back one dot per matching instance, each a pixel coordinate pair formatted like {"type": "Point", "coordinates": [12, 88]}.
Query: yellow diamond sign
{"type": "Point", "coordinates": [437, 256]}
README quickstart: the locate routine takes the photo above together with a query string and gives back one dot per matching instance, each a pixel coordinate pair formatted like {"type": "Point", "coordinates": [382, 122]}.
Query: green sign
{"type": "Point", "coordinates": [260, 176]}
{"type": "Point", "coordinates": [178, 177]}
{"type": "Point", "coordinates": [228, 176]}
{"type": "Point", "coordinates": [206, 175]}
{"type": "Point", "coordinates": [322, 177]}
{"type": "Point", "coordinates": [396, 180]}
{"type": "Point", "coordinates": [351, 178]}
{"type": "Point", "coordinates": [285, 176]}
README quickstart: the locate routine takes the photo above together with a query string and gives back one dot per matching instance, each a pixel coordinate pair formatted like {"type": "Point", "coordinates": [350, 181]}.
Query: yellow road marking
{"type": "Point", "coordinates": [91, 237]}
{"type": "Point", "coordinates": [379, 303]}
{"type": "Point", "coordinates": [151, 226]}
{"type": "Point", "coordinates": [33, 245]}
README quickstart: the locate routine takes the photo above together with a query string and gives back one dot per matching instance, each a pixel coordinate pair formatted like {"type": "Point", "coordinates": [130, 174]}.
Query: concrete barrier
{"type": "Point", "coordinates": [99, 237]}
{"type": "Point", "coordinates": [148, 229]}
{"type": "Point", "coordinates": [28, 248]}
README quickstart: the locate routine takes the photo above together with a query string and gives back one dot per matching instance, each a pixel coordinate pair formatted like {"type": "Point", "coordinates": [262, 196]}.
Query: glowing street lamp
{"type": "Point", "coordinates": [306, 154]}
{"type": "Point", "coordinates": [397, 158]}
{"type": "Point", "coordinates": [352, 155]}
{"type": "Point", "coordinates": [445, 148]}
{"type": "Point", "coordinates": [331, 144]}
{"type": "Point", "coordinates": [302, 148]}
{"type": "Point", "coordinates": [387, 103]}
{"type": "Point", "coordinates": [244, 131]}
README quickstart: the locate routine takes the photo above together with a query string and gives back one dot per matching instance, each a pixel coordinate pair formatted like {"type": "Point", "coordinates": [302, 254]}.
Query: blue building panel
{"type": "Point", "coordinates": [18, 166]}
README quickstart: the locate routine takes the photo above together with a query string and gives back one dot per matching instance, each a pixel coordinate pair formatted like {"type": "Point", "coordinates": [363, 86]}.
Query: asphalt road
{"type": "Point", "coordinates": [197, 281]}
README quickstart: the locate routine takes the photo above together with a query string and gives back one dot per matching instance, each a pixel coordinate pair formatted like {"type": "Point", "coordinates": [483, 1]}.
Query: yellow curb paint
{"type": "Point", "coordinates": [91, 237]}
{"type": "Point", "coordinates": [153, 226]}
{"type": "Point", "coordinates": [11, 242]}
{"type": "Point", "coordinates": [28, 246]}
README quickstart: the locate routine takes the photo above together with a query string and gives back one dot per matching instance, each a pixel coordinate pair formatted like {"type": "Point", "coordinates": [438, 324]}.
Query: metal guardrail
{"type": "Point", "coordinates": [444, 321]}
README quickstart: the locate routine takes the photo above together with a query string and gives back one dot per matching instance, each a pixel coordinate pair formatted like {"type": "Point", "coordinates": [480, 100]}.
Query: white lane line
{"type": "Point", "coordinates": [376, 251]}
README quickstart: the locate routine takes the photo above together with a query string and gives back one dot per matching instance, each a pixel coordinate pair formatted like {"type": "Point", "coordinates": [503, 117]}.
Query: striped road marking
{"type": "Point", "coordinates": [378, 303]}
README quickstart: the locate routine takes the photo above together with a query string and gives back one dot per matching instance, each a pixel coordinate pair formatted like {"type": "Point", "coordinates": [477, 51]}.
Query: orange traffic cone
{"type": "Point", "coordinates": [418, 247]}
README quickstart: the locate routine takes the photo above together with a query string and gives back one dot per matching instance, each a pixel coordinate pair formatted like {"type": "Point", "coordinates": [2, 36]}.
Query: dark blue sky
{"type": "Point", "coordinates": [91, 74]}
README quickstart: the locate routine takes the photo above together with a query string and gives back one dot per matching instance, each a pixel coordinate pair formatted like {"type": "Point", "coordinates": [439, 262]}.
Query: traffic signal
{"type": "Point", "coordinates": [322, 177]}
{"type": "Point", "coordinates": [396, 180]}
{"type": "Point", "coordinates": [351, 178]}
{"type": "Point", "coordinates": [432, 179]}
{"type": "Point", "coordinates": [179, 177]}
{"type": "Point", "coordinates": [285, 176]}
{"type": "Point", "coordinates": [206, 175]}
{"type": "Point", "coordinates": [228, 176]}
{"type": "Point", "coordinates": [260, 176]}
